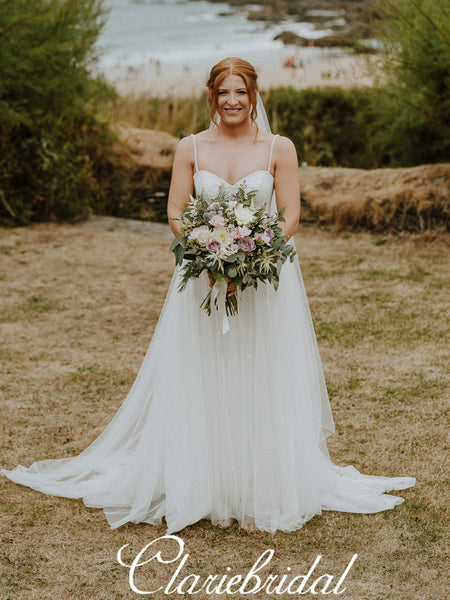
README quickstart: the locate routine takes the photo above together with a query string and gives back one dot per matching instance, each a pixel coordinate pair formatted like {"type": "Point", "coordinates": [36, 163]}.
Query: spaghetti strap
{"type": "Point", "coordinates": [195, 151]}
{"type": "Point", "coordinates": [271, 150]}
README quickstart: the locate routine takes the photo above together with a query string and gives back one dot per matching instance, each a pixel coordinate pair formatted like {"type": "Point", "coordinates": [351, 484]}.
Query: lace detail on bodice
{"type": "Point", "coordinates": [210, 183]}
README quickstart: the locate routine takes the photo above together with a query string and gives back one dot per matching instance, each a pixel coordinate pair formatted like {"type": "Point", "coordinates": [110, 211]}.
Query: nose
{"type": "Point", "coordinates": [233, 99]}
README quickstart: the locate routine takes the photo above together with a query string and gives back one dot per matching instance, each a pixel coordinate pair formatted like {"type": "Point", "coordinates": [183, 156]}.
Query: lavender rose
{"type": "Point", "coordinates": [208, 215]}
{"type": "Point", "coordinates": [214, 246]}
{"type": "Point", "coordinates": [248, 244]}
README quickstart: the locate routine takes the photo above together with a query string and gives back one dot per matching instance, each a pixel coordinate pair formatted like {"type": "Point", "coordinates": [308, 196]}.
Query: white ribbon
{"type": "Point", "coordinates": [219, 293]}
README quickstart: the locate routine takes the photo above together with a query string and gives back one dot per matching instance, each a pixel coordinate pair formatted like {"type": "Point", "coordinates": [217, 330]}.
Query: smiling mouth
{"type": "Point", "coordinates": [232, 111]}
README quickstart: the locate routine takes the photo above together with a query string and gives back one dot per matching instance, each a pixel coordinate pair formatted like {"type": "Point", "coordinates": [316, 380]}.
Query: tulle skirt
{"type": "Point", "coordinates": [220, 425]}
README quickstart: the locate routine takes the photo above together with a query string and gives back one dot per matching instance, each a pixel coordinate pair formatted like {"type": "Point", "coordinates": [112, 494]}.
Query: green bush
{"type": "Point", "coordinates": [413, 100]}
{"type": "Point", "coordinates": [50, 141]}
{"type": "Point", "coordinates": [329, 126]}
{"type": "Point", "coordinates": [57, 158]}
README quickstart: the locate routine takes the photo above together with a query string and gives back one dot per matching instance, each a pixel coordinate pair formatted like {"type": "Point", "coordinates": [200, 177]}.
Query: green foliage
{"type": "Point", "coordinates": [404, 120]}
{"type": "Point", "coordinates": [49, 139]}
{"type": "Point", "coordinates": [46, 50]}
{"type": "Point", "coordinates": [413, 102]}
{"type": "Point", "coordinates": [57, 159]}
{"type": "Point", "coordinates": [329, 126]}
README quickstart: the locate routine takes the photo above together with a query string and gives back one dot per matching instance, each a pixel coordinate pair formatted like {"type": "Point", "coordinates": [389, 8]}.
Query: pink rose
{"type": "Point", "coordinates": [241, 232]}
{"type": "Point", "coordinates": [265, 236]}
{"type": "Point", "coordinates": [217, 220]}
{"type": "Point", "coordinates": [201, 235]}
{"type": "Point", "coordinates": [248, 244]}
{"type": "Point", "coordinates": [227, 251]}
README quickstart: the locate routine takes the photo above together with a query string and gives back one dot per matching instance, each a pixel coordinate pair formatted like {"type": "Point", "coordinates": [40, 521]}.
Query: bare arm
{"type": "Point", "coordinates": [287, 187]}
{"type": "Point", "coordinates": [181, 184]}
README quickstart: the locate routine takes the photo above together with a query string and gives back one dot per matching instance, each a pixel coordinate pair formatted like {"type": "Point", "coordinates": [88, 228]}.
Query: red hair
{"type": "Point", "coordinates": [232, 66]}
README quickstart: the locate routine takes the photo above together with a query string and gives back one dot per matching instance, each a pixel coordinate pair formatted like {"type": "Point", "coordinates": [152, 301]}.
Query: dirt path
{"type": "Point", "coordinates": [128, 225]}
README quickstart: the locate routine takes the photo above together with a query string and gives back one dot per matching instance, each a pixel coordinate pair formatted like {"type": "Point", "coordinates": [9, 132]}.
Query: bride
{"type": "Point", "coordinates": [224, 426]}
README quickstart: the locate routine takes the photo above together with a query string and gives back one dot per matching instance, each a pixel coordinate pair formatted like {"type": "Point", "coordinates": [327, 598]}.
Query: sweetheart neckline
{"type": "Point", "coordinates": [239, 180]}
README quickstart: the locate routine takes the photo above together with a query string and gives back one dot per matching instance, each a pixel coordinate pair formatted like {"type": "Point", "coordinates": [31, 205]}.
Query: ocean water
{"type": "Point", "coordinates": [172, 37]}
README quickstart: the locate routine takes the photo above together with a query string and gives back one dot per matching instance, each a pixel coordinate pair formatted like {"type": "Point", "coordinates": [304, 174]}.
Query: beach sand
{"type": "Point", "coordinates": [343, 70]}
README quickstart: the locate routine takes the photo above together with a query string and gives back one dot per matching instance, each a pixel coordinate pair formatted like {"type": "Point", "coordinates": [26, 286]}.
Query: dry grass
{"type": "Point", "coordinates": [405, 199]}
{"type": "Point", "coordinates": [169, 113]}
{"type": "Point", "coordinates": [77, 310]}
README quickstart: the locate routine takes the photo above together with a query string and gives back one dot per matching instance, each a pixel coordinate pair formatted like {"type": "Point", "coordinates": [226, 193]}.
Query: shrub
{"type": "Point", "coordinates": [413, 100]}
{"type": "Point", "coordinates": [48, 132]}
{"type": "Point", "coordinates": [329, 126]}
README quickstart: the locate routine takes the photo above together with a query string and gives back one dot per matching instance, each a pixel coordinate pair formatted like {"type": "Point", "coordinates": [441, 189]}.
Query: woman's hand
{"type": "Point", "coordinates": [231, 288]}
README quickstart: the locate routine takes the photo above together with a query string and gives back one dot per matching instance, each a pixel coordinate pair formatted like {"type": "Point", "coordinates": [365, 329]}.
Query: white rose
{"type": "Point", "coordinates": [243, 215]}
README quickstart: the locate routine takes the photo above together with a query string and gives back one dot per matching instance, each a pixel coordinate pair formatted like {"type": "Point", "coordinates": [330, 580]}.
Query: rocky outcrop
{"type": "Point", "coordinates": [147, 156]}
{"type": "Point", "coordinates": [354, 19]}
{"type": "Point", "coordinates": [145, 147]}
{"type": "Point", "coordinates": [327, 41]}
{"type": "Point", "coordinates": [404, 199]}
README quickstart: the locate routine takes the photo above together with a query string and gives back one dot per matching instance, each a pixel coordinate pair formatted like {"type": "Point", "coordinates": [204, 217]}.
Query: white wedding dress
{"type": "Point", "coordinates": [221, 425]}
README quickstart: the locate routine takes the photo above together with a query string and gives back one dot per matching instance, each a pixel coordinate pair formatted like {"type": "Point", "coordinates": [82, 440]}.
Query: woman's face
{"type": "Point", "coordinates": [233, 102]}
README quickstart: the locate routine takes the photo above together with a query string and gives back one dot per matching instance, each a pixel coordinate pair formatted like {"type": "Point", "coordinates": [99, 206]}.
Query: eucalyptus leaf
{"type": "Point", "coordinates": [174, 243]}
{"type": "Point", "coordinates": [279, 266]}
{"type": "Point", "coordinates": [179, 254]}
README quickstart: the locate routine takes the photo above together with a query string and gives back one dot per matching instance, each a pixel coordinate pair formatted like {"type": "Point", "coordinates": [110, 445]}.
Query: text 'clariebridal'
{"type": "Point", "coordinates": [252, 582]}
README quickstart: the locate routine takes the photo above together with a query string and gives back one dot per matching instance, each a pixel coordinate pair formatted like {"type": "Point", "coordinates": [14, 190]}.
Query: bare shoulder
{"type": "Point", "coordinates": [284, 152]}
{"type": "Point", "coordinates": [204, 137]}
{"type": "Point", "coordinates": [285, 146]}
{"type": "Point", "coordinates": [184, 151]}
{"type": "Point", "coordinates": [185, 145]}
{"type": "Point", "coordinates": [203, 134]}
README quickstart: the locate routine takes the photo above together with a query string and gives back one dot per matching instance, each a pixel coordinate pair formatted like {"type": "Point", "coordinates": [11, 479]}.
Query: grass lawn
{"type": "Point", "coordinates": [77, 309]}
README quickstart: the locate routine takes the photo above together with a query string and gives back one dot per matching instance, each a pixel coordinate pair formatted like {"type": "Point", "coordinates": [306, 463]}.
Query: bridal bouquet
{"type": "Point", "coordinates": [232, 239]}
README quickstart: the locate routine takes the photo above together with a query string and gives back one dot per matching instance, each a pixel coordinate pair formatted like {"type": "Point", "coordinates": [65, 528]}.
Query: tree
{"type": "Point", "coordinates": [47, 124]}
{"type": "Point", "coordinates": [414, 93]}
